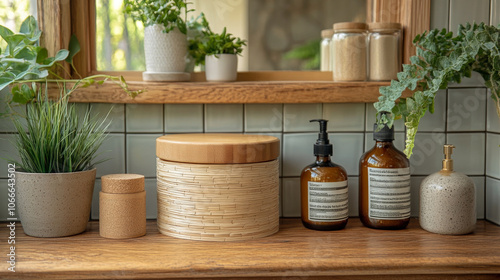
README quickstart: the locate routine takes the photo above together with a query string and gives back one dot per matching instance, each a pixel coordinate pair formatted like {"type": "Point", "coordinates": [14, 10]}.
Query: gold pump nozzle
{"type": "Point", "coordinates": [447, 161]}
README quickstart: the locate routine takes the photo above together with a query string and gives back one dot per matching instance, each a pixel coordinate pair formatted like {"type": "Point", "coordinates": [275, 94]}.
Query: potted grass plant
{"type": "Point", "coordinates": [441, 59]}
{"type": "Point", "coordinates": [57, 146]}
{"type": "Point", "coordinates": [220, 52]}
{"type": "Point", "coordinates": [165, 41]}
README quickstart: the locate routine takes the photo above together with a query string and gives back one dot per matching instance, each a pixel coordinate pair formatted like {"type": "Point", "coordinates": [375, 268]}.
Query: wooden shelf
{"type": "Point", "coordinates": [353, 253]}
{"type": "Point", "coordinates": [236, 92]}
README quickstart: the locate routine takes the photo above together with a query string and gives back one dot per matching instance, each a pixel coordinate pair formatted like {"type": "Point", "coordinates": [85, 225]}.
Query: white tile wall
{"type": "Point", "coordinates": [7, 153]}
{"type": "Point", "coordinates": [492, 118]}
{"type": "Point", "coordinates": [493, 155]}
{"type": "Point", "coordinates": [439, 14]}
{"type": "Point", "coordinates": [298, 152]}
{"type": "Point", "coordinates": [466, 109]}
{"type": "Point", "coordinates": [347, 150]}
{"type": "Point", "coordinates": [141, 154]}
{"type": "Point", "coordinates": [224, 118]}
{"type": "Point", "coordinates": [6, 124]}
{"type": "Point", "coordinates": [151, 198]}
{"type": "Point", "coordinates": [116, 115]}
{"type": "Point", "coordinates": [113, 150]}
{"type": "Point", "coordinates": [291, 197]}
{"type": "Point", "coordinates": [427, 153]}
{"type": "Point", "coordinates": [353, 186]}
{"type": "Point", "coordinates": [344, 116]}
{"type": "Point", "coordinates": [435, 122]}
{"type": "Point", "coordinates": [183, 118]}
{"type": "Point", "coordinates": [495, 12]}
{"type": "Point", "coordinates": [468, 155]}
{"type": "Point", "coordinates": [492, 199]}
{"type": "Point", "coordinates": [144, 118]}
{"type": "Point", "coordinates": [296, 117]}
{"type": "Point", "coordinates": [263, 117]}
{"type": "Point", "coordinates": [479, 182]}
{"type": "Point", "coordinates": [462, 11]}
{"type": "Point", "coordinates": [415, 194]}
{"type": "Point", "coordinates": [94, 212]}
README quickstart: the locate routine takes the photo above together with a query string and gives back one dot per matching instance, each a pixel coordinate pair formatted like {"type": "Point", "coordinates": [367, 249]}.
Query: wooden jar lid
{"type": "Point", "coordinates": [217, 148]}
{"type": "Point", "coordinates": [122, 183]}
{"type": "Point", "coordinates": [350, 27]}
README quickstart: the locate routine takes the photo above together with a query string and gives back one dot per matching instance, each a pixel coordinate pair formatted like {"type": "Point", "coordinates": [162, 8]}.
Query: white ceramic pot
{"type": "Point", "coordinates": [54, 204]}
{"type": "Point", "coordinates": [164, 52]}
{"type": "Point", "coordinates": [222, 68]}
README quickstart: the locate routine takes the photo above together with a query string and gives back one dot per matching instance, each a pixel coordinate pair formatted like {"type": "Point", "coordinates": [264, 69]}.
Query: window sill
{"type": "Point", "coordinates": [251, 87]}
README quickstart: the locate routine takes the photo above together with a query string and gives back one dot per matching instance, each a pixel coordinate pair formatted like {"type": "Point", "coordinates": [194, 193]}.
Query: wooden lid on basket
{"type": "Point", "coordinates": [217, 148]}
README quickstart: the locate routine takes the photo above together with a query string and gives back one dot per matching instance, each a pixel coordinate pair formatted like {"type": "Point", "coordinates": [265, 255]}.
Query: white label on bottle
{"type": "Point", "coordinates": [388, 193]}
{"type": "Point", "coordinates": [327, 201]}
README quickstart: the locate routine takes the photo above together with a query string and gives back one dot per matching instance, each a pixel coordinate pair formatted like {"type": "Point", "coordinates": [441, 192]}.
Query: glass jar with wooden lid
{"type": "Point", "coordinates": [349, 51]}
{"type": "Point", "coordinates": [384, 45]}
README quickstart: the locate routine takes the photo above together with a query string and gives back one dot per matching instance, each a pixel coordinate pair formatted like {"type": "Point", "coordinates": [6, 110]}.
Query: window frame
{"type": "Point", "coordinates": [59, 19]}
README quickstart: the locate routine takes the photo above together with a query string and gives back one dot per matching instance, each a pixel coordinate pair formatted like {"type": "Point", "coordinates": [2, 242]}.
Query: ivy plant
{"type": "Point", "coordinates": [441, 59]}
{"type": "Point", "coordinates": [169, 13]}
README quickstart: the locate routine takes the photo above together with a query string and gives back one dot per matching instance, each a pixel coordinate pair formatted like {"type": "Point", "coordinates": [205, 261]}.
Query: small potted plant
{"type": "Point", "coordinates": [220, 52]}
{"type": "Point", "coordinates": [54, 178]}
{"type": "Point", "coordinates": [441, 58]}
{"type": "Point", "coordinates": [165, 42]}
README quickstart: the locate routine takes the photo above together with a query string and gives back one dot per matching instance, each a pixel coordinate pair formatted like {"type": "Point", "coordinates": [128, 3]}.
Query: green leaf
{"type": "Point", "coordinates": [22, 95]}
{"type": "Point", "coordinates": [4, 32]}
{"type": "Point", "coordinates": [61, 55]}
{"type": "Point", "coordinates": [41, 55]}
{"type": "Point", "coordinates": [29, 25]}
{"type": "Point", "coordinates": [73, 48]}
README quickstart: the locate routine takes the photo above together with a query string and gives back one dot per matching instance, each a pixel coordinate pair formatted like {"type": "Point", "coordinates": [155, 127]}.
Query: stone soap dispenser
{"type": "Point", "coordinates": [323, 188]}
{"type": "Point", "coordinates": [448, 200]}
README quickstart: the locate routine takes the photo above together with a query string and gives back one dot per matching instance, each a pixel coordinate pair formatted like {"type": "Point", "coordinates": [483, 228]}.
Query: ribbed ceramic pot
{"type": "Point", "coordinates": [164, 52]}
{"type": "Point", "coordinates": [221, 68]}
{"type": "Point", "coordinates": [54, 204]}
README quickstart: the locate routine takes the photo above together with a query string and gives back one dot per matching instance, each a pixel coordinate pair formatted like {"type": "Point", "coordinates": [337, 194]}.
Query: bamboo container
{"type": "Point", "coordinates": [122, 206]}
{"type": "Point", "coordinates": [218, 187]}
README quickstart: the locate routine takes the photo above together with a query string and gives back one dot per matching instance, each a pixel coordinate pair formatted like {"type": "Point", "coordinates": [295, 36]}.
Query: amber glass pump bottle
{"type": "Point", "coordinates": [323, 187]}
{"type": "Point", "coordinates": [384, 184]}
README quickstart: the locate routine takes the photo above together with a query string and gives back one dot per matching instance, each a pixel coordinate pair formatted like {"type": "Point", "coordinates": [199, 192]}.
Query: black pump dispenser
{"type": "Point", "coordinates": [322, 146]}
{"type": "Point", "coordinates": [385, 134]}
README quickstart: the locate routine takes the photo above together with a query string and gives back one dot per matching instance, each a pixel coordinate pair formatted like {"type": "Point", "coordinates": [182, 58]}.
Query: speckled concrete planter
{"type": "Point", "coordinates": [54, 204]}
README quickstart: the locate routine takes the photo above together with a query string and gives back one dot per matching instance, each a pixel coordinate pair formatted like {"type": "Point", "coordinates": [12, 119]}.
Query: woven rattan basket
{"type": "Point", "coordinates": [218, 187]}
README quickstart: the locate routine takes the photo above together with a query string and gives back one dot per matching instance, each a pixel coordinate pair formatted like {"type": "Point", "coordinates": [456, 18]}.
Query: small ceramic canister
{"type": "Point", "coordinates": [122, 206]}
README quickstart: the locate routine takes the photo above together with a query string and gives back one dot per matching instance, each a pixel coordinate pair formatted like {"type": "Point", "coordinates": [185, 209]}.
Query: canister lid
{"type": "Point", "coordinates": [384, 26]}
{"type": "Point", "coordinates": [350, 27]}
{"type": "Point", "coordinates": [122, 183]}
{"type": "Point", "coordinates": [326, 33]}
{"type": "Point", "coordinates": [217, 148]}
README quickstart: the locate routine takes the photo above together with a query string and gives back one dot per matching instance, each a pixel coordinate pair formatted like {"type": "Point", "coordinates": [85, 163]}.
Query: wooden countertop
{"type": "Point", "coordinates": [354, 253]}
